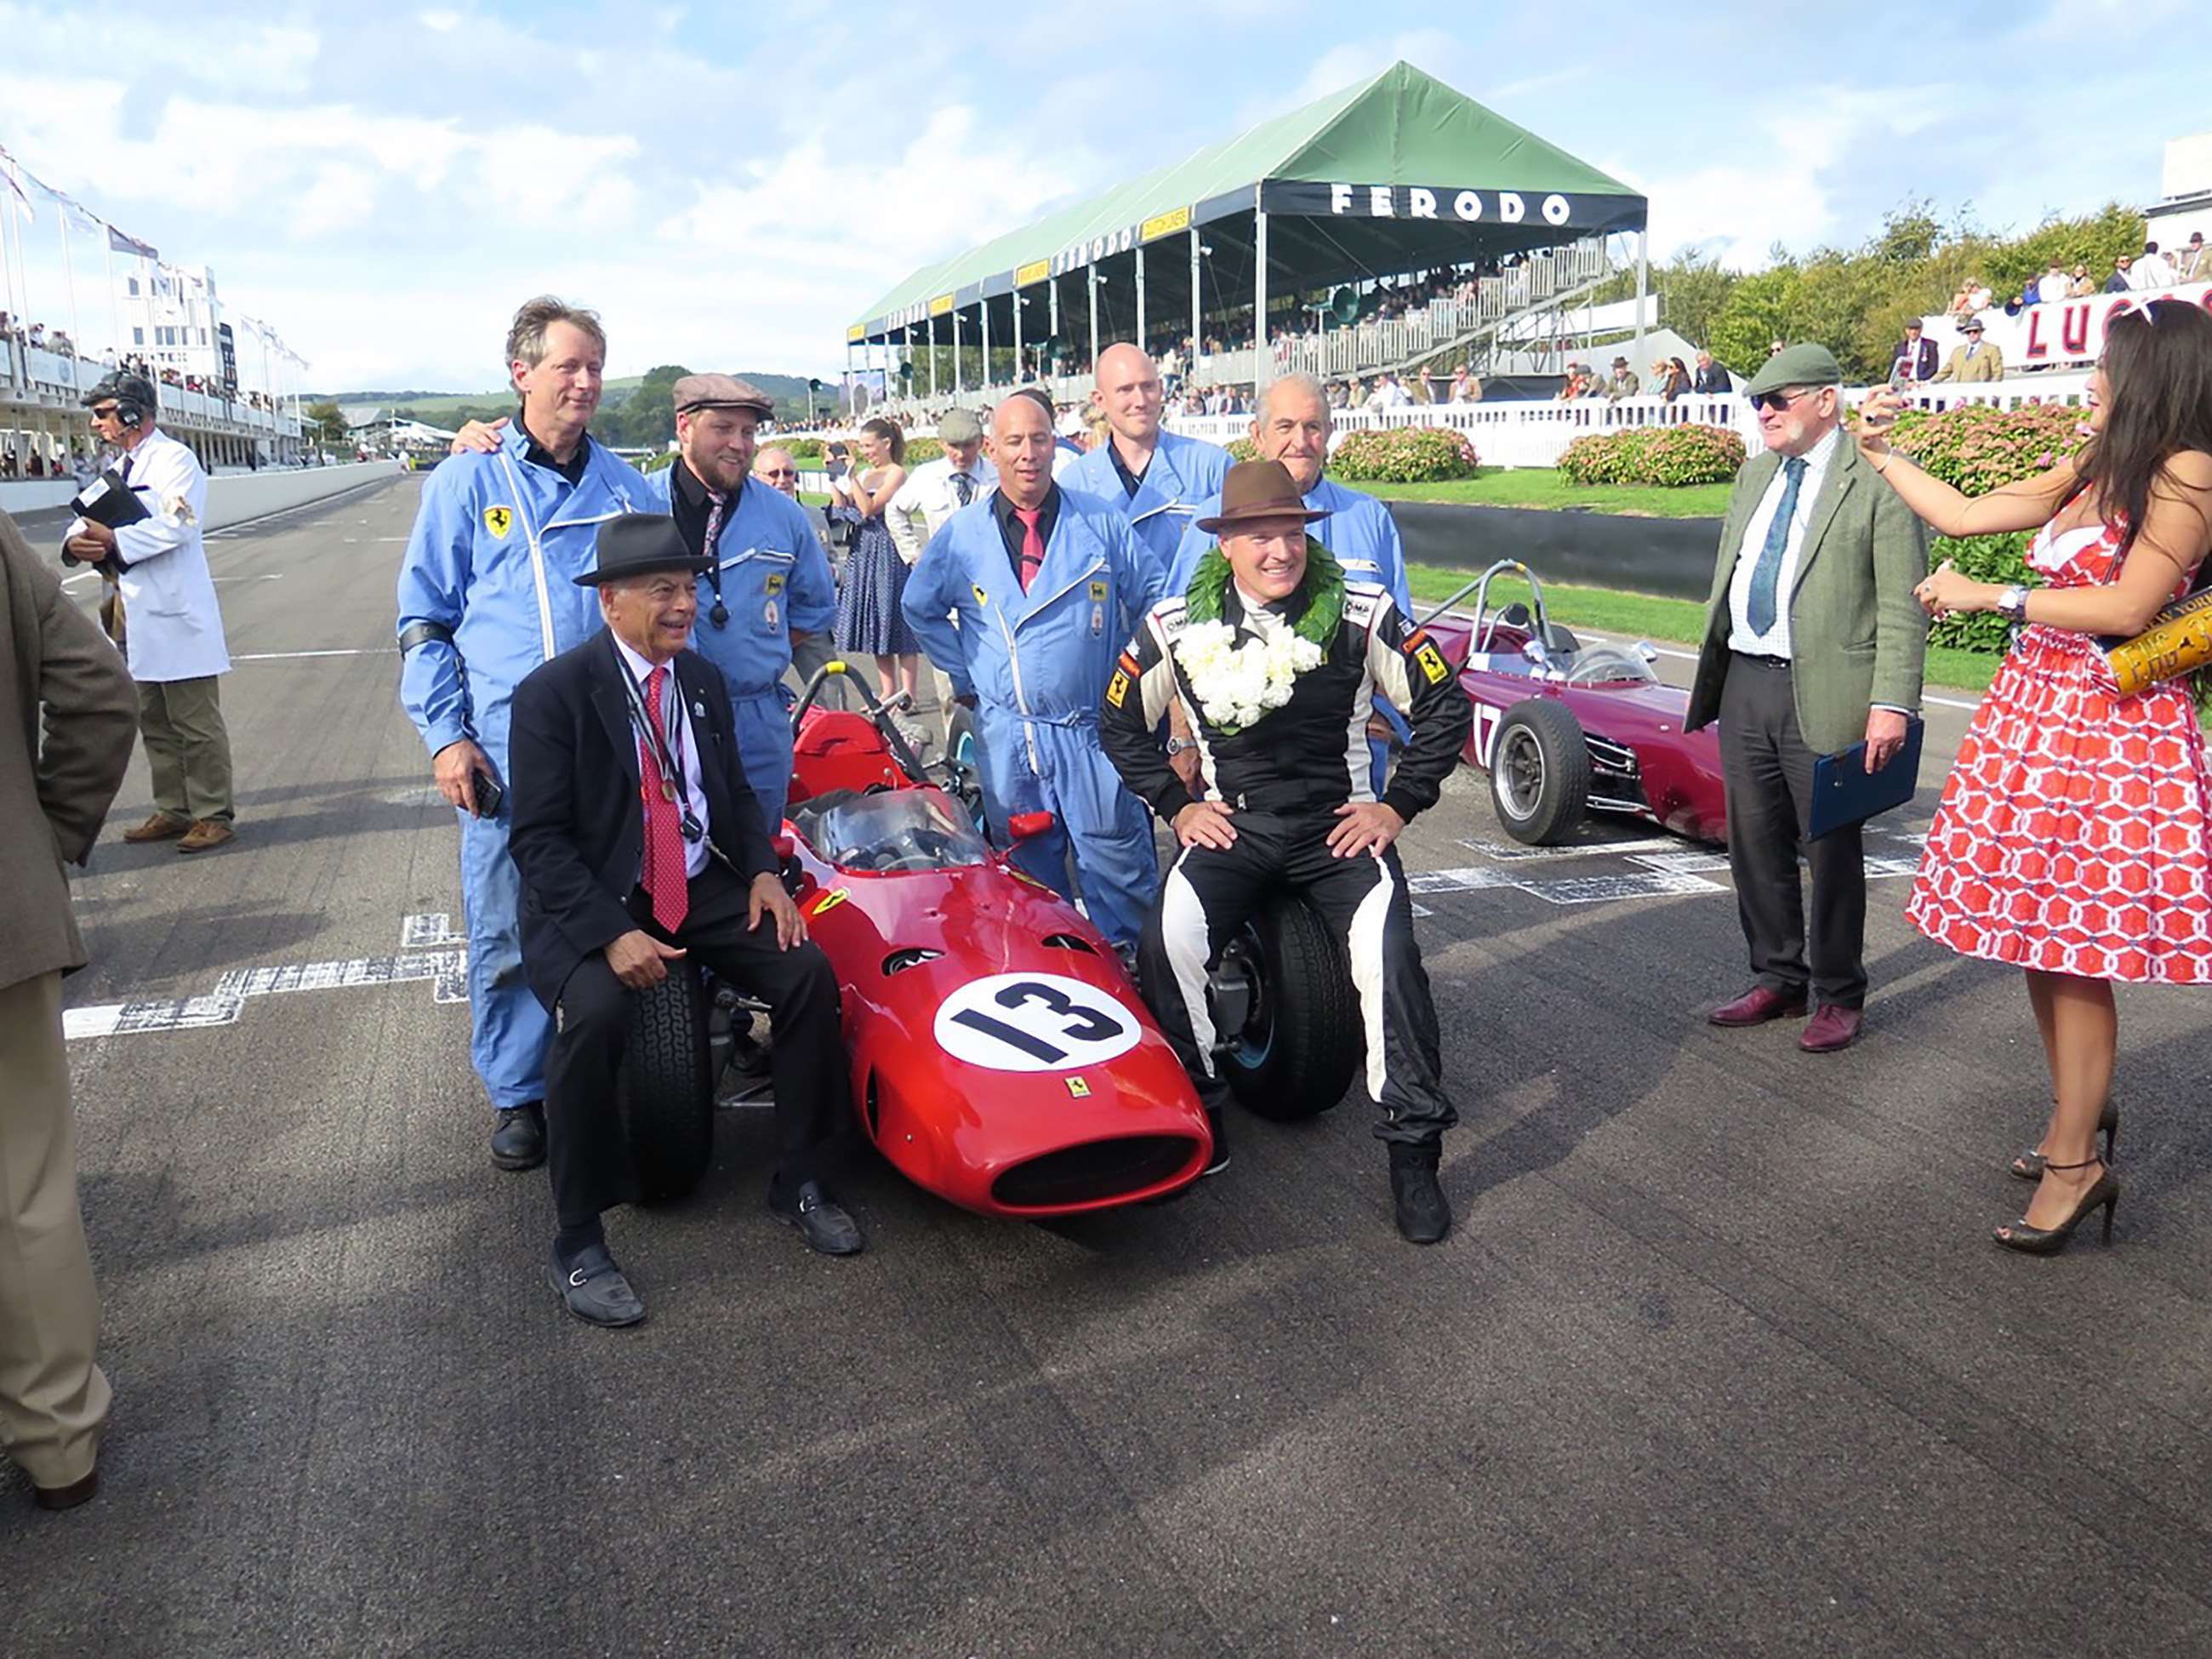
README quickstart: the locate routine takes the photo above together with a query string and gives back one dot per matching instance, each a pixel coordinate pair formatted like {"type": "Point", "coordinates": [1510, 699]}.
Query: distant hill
{"type": "Point", "coordinates": [444, 408]}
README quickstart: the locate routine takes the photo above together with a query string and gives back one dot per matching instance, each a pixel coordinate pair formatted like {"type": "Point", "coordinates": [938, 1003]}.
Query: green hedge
{"type": "Point", "coordinates": [1402, 454]}
{"type": "Point", "coordinates": [1668, 455]}
{"type": "Point", "coordinates": [1243, 449]}
{"type": "Point", "coordinates": [1976, 448]}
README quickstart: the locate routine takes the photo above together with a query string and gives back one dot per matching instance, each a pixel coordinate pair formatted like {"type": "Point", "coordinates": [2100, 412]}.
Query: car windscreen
{"type": "Point", "coordinates": [895, 829]}
{"type": "Point", "coordinates": [1604, 665]}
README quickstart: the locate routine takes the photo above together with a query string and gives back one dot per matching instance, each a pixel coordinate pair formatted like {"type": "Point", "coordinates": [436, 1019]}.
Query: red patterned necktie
{"type": "Point", "coordinates": [666, 881]}
{"type": "Point", "coordinates": [1032, 545]}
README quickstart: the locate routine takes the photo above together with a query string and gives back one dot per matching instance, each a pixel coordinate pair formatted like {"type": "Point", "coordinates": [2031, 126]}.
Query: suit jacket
{"type": "Point", "coordinates": [58, 671]}
{"type": "Point", "coordinates": [1987, 364]}
{"type": "Point", "coordinates": [577, 833]}
{"type": "Point", "coordinates": [1713, 380]}
{"type": "Point", "coordinates": [1857, 635]}
{"type": "Point", "coordinates": [1920, 360]}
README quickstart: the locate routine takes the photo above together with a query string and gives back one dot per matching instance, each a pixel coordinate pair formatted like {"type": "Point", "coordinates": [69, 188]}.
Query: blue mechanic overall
{"type": "Point", "coordinates": [1038, 664]}
{"type": "Point", "coordinates": [1183, 472]}
{"type": "Point", "coordinates": [486, 594]}
{"type": "Point", "coordinates": [772, 578]}
{"type": "Point", "coordinates": [1360, 531]}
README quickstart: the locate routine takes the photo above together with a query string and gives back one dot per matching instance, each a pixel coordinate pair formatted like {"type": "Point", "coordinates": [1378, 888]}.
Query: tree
{"type": "Point", "coordinates": [326, 423]}
{"type": "Point", "coordinates": [647, 418]}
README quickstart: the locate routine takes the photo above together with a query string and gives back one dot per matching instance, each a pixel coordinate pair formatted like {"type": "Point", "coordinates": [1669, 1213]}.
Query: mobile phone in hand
{"type": "Point", "coordinates": [487, 793]}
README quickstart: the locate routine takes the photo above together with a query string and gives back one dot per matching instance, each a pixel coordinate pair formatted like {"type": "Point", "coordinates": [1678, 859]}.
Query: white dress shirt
{"type": "Point", "coordinates": [2151, 270]}
{"type": "Point", "coordinates": [1775, 642]}
{"type": "Point", "coordinates": [695, 794]}
{"type": "Point", "coordinates": [929, 490]}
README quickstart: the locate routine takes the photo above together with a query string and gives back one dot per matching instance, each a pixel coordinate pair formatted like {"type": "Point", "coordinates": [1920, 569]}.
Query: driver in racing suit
{"type": "Point", "coordinates": [1276, 662]}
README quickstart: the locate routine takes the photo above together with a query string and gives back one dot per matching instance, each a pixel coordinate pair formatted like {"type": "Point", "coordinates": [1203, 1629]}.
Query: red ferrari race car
{"type": "Point", "coordinates": [1565, 728]}
{"type": "Point", "coordinates": [1001, 1056]}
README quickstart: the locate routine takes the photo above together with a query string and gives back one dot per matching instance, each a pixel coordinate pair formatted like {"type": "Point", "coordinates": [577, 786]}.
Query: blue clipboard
{"type": "Point", "coordinates": [1844, 792]}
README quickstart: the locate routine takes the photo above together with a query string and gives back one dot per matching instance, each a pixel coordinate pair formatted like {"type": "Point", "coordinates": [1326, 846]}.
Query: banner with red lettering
{"type": "Point", "coordinates": [2066, 333]}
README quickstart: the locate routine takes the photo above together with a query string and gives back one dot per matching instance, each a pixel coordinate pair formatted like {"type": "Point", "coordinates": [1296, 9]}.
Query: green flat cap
{"type": "Point", "coordinates": [1805, 364]}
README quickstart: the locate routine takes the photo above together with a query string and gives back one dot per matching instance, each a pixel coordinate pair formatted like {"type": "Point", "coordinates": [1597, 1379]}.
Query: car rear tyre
{"type": "Point", "coordinates": [965, 758]}
{"type": "Point", "coordinates": [1299, 1043]}
{"type": "Point", "coordinates": [666, 1091]}
{"type": "Point", "coordinates": [1540, 773]}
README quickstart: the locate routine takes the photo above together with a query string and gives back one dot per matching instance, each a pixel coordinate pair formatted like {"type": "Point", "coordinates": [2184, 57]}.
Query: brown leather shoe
{"type": "Point", "coordinates": [160, 827]}
{"type": "Point", "coordinates": [1831, 1028]}
{"type": "Point", "coordinates": [204, 834]}
{"type": "Point", "coordinates": [1755, 1007]}
{"type": "Point", "coordinates": [69, 1496]}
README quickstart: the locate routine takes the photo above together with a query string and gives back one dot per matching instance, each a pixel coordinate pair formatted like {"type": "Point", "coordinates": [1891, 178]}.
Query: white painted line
{"type": "Point", "coordinates": [275, 576]}
{"type": "Point", "coordinates": [293, 656]}
{"type": "Point", "coordinates": [1513, 852]}
{"type": "Point", "coordinates": [429, 931]}
{"type": "Point", "coordinates": [1468, 880]}
{"type": "Point", "coordinates": [446, 971]}
{"type": "Point", "coordinates": [1687, 862]}
{"type": "Point", "coordinates": [1598, 890]}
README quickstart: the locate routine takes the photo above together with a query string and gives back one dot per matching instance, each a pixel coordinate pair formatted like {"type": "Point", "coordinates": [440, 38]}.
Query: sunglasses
{"type": "Point", "coordinates": [105, 412]}
{"type": "Point", "coordinates": [1780, 400]}
{"type": "Point", "coordinates": [779, 472]}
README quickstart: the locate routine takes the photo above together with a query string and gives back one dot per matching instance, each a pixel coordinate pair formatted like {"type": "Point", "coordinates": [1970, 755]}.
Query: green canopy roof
{"type": "Point", "coordinates": [1402, 147]}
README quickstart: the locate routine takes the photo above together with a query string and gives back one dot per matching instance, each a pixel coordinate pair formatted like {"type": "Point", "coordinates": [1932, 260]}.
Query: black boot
{"type": "Point", "coordinates": [518, 1139]}
{"type": "Point", "coordinates": [1424, 1213]}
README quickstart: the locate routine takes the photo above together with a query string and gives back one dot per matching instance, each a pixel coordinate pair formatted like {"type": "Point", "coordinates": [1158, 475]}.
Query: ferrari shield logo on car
{"type": "Point", "coordinates": [1078, 1088]}
{"type": "Point", "coordinates": [498, 520]}
{"type": "Point", "coordinates": [831, 900]}
{"type": "Point", "coordinates": [1034, 1021]}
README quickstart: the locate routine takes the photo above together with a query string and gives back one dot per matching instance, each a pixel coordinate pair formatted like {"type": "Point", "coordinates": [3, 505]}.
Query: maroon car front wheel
{"type": "Point", "coordinates": [1539, 772]}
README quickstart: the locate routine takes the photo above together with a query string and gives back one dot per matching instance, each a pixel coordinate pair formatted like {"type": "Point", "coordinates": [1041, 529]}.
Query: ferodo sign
{"type": "Point", "coordinates": [1557, 210]}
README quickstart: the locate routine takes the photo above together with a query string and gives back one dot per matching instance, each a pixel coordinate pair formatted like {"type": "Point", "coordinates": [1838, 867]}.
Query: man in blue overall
{"type": "Point", "coordinates": [486, 593]}
{"type": "Point", "coordinates": [1293, 426]}
{"type": "Point", "coordinates": [1024, 600]}
{"type": "Point", "coordinates": [1155, 477]}
{"type": "Point", "coordinates": [769, 582]}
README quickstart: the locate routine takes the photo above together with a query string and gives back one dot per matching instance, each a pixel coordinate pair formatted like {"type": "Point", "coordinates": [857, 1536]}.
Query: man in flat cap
{"type": "Point", "coordinates": [484, 597]}
{"type": "Point", "coordinates": [641, 850]}
{"type": "Point", "coordinates": [1814, 643]}
{"type": "Point", "coordinates": [934, 491]}
{"type": "Point", "coordinates": [764, 579]}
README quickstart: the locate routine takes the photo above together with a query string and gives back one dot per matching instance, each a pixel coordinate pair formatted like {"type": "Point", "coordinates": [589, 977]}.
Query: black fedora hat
{"type": "Point", "coordinates": [637, 543]}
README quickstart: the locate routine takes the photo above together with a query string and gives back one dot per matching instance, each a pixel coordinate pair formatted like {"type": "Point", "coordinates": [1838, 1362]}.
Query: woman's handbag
{"type": "Point", "coordinates": [2179, 639]}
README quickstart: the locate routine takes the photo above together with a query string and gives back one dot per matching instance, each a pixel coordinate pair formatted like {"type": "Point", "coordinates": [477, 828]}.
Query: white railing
{"type": "Point", "coordinates": [1534, 434]}
{"type": "Point", "coordinates": [38, 373]}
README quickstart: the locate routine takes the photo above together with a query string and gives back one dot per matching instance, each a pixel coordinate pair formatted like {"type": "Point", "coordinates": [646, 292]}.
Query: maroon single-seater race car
{"type": "Point", "coordinates": [1565, 728]}
{"type": "Point", "coordinates": [1001, 1056]}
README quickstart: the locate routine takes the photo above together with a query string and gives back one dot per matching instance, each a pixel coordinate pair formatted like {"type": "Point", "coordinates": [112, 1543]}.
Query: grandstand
{"type": "Point", "coordinates": [1394, 223]}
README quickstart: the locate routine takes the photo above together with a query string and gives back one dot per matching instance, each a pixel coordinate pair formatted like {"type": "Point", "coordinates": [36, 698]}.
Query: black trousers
{"type": "Point", "coordinates": [1769, 771]}
{"type": "Point", "coordinates": [1210, 893]}
{"type": "Point", "coordinates": [585, 1152]}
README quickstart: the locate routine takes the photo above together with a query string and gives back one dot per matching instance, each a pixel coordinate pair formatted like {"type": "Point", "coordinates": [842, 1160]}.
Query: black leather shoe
{"type": "Point", "coordinates": [594, 1289]}
{"type": "Point", "coordinates": [1424, 1213]}
{"type": "Point", "coordinates": [1219, 1161]}
{"type": "Point", "coordinates": [69, 1496]}
{"type": "Point", "coordinates": [826, 1229]}
{"type": "Point", "coordinates": [518, 1140]}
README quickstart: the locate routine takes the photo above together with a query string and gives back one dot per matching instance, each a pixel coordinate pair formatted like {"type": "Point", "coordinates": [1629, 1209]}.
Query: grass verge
{"type": "Point", "coordinates": [1543, 487]}
{"type": "Point", "coordinates": [1673, 621]}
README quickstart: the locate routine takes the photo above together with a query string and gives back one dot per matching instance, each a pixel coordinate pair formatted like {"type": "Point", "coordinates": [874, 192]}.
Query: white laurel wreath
{"type": "Point", "coordinates": [1239, 685]}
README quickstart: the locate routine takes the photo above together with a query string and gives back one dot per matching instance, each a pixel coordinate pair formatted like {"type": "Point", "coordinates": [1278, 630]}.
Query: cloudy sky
{"type": "Point", "coordinates": [383, 186]}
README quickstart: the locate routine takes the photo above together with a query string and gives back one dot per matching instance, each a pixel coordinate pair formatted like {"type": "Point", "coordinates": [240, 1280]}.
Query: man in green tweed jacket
{"type": "Point", "coordinates": [1813, 642]}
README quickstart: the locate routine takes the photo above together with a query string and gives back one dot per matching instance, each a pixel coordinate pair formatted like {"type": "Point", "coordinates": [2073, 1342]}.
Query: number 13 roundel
{"type": "Point", "coordinates": [1033, 1023]}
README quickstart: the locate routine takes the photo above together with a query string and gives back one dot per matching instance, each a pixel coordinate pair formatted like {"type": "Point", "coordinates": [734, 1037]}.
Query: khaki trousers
{"type": "Point", "coordinates": [53, 1399]}
{"type": "Point", "coordinates": [187, 747]}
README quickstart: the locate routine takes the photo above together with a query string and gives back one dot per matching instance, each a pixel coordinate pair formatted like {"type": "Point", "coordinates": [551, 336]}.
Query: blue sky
{"type": "Point", "coordinates": [385, 186]}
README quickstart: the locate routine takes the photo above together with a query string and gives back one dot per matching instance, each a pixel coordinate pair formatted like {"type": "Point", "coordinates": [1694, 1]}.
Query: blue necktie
{"type": "Point", "coordinates": [1767, 573]}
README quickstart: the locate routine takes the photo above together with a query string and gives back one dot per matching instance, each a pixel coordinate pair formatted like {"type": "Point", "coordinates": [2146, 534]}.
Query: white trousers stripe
{"type": "Point", "coordinates": [1364, 945]}
{"type": "Point", "coordinates": [1184, 931]}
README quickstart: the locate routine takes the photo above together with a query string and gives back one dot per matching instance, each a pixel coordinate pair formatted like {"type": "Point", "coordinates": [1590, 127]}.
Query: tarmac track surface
{"type": "Point", "coordinates": [1718, 1359]}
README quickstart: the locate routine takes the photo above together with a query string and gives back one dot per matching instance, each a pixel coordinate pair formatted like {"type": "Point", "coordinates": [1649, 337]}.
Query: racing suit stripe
{"type": "Point", "coordinates": [1136, 701]}
{"type": "Point", "coordinates": [1187, 935]}
{"type": "Point", "coordinates": [1364, 945]}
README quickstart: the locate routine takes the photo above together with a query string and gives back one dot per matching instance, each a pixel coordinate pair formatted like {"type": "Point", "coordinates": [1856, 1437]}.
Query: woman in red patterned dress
{"type": "Point", "coordinates": [2075, 838]}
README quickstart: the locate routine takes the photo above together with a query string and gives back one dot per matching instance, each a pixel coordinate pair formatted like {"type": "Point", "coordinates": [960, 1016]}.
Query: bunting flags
{"type": "Point", "coordinates": [119, 243]}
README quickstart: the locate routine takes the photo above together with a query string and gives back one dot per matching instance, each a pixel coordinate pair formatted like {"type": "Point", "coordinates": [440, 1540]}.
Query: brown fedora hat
{"type": "Point", "coordinates": [1258, 489]}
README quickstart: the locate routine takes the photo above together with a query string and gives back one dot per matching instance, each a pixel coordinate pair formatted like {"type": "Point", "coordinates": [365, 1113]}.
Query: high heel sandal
{"type": "Point", "coordinates": [2028, 1166]}
{"type": "Point", "coordinates": [2048, 1241]}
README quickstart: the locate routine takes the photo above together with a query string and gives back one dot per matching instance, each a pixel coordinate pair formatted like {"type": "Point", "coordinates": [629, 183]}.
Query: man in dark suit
{"type": "Point", "coordinates": [1814, 643]}
{"type": "Point", "coordinates": [1711, 378]}
{"type": "Point", "coordinates": [1917, 355]}
{"type": "Point", "coordinates": [639, 847]}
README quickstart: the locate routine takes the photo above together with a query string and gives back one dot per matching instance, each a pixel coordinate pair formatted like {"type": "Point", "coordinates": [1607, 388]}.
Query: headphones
{"type": "Point", "coordinates": [128, 412]}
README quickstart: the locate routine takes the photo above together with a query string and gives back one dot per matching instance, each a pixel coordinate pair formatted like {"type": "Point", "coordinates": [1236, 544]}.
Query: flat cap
{"type": "Point", "coordinates": [1803, 364]}
{"type": "Point", "coordinates": [721, 392]}
{"type": "Point", "coordinates": [960, 426]}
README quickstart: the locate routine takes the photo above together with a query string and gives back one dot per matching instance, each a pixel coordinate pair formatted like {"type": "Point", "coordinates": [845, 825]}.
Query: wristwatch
{"type": "Point", "coordinates": [2013, 603]}
{"type": "Point", "coordinates": [1177, 745]}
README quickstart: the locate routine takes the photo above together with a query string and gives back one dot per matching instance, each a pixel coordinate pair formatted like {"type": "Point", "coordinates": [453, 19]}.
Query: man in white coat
{"type": "Point", "coordinates": [934, 491]}
{"type": "Point", "coordinates": [172, 629]}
